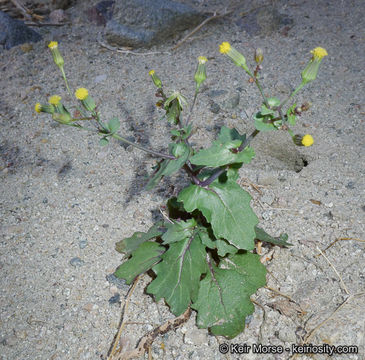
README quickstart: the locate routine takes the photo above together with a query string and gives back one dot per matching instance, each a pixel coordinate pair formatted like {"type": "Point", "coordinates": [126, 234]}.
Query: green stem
{"type": "Point", "coordinates": [65, 79]}
{"type": "Point", "coordinates": [261, 91]}
{"type": "Point", "coordinates": [292, 94]}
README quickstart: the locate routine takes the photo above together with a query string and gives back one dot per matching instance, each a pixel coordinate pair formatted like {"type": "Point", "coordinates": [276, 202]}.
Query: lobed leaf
{"type": "Point", "coordinates": [262, 235]}
{"type": "Point", "coordinates": [178, 274]}
{"type": "Point", "coordinates": [128, 245]}
{"type": "Point", "coordinates": [143, 258]}
{"type": "Point", "coordinates": [179, 230]}
{"type": "Point", "coordinates": [227, 208]}
{"type": "Point", "coordinates": [224, 295]}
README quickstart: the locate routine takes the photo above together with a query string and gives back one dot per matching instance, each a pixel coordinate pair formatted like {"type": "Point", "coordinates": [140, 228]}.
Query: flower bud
{"type": "Point", "coordinates": [62, 118]}
{"type": "Point", "coordinates": [49, 109]}
{"type": "Point", "coordinates": [300, 140]}
{"type": "Point", "coordinates": [310, 72]}
{"type": "Point", "coordinates": [87, 101]}
{"type": "Point", "coordinates": [200, 74]}
{"type": "Point", "coordinates": [156, 80]}
{"type": "Point", "coordinates": [57, 58]}
{"type": "Point", "coordinates": [233, 54]}
{"type": "Point", "coordinates": [259, 56]}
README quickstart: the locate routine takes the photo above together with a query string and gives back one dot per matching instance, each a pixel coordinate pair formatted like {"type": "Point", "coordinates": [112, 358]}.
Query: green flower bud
{"type": "Point", "coordinates": [233, 54]}
{"type": "Point", "coordinates": [62, 118]}
{"type": "Point", "coordinates": [57, 58]}
{"type": "Point", "coordinates": [49, 109]}
{"type": "Point", "coordinates": [310, 72]}
{"type": "Point", "coordinates": [87, 101]}
{"type": "Point", "coordinates": [259, 56]}
{"type": "Point", "coordinates": [156, 80]}
{"type": "Point", "coordinates": [200, 74]}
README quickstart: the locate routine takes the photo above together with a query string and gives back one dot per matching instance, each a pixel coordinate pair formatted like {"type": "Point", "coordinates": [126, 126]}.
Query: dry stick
{"type": "Point", "coordinates": [340, 239]}
{"type": "Point", "coordinates": [281, 294]}
{"type": "Point", "coordinates": [22, 8]}
{"type": "Point", "coordinates": [147, 340]}
{"type": "Point", "coordinates": [214, 16]}
{"type": "Point", "coordinates": [263, 319]}
{"type": "Point", "coordinates": [334, 269]}
{"type": "Point", "coordinates": [122, 320]}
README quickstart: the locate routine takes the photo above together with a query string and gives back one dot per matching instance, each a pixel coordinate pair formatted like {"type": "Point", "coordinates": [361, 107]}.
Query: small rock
{"type": "Point", "coordinates": [119, 283]}
{"type": "Point", "coordinates": [267, 215]}
{"type": "Point", "coordinates": [350, 185]}
{"type": "Point", "coordinates": [115, 299]}
{"type": "Point", "coordinates": [26, 48]}
{"type": "Point", "coordinates": [139, 23]}
{"type": "Point", "coordinates": [214, 107]}
{"type": "Point", "coordinates": [100, 78]}
{"type": "Point", "coordinates": [76, 262]}
{"type": "Point", "coordinates": [88, 307]}
{"type": "Point", "coordinates": [216, 93]}
{"type": "Point", "coordinates": [232, 102]}
{"type": "Point", "coordinates": [66, 292]}
{"type": "Point", "coordinates": [10, 340]}
{"type": "Point", "coordinates": [82, 244]}
{"type": "Point", "coordinates": [100, 13]}
{"type": "Point", "coordinates": [57, 16]}
{"type": "Point", "coordinates": [14, 32]}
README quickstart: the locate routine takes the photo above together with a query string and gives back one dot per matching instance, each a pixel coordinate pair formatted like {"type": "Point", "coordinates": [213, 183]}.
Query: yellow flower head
{"type": "Point", "coordinates": [319, 53]}
{"type": "Point", "coordinates": [38, 108]}
{"type": "Point", "coordinates": [81, 93]}
{"type": "Point", "coordinates": [224, 47]}
{"type": "Point", "coordinates": [53, 45]}
{"type": "Point", "coordinates": [307, 140]}
{"type": "Point", "coordinates": [202, 59]}
{"type": "Point", "coordinates": [54, 99]}
{"type": "Point", "coordinates": [151, 72]}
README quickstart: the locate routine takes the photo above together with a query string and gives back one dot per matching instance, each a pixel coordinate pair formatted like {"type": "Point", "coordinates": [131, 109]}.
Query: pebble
{"type": "Point", "coordinates": [82, 244]}
{"type": "Point", "coordinates": [100, 78]}
{"type": "Point", "coordinates": [76, 262]}
{"type": "Point", "coordinates": [115, 299]}
{"type": "Point", "coordinates": [119, 283]}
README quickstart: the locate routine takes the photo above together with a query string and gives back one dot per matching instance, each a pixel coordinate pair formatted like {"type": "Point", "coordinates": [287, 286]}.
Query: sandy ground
{"type": "Point", "coordinates": [66, 201]}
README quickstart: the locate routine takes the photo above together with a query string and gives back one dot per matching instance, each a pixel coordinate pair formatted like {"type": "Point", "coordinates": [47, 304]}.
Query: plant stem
{"type": "Point", "coordinates": [65, 79]}
{"type": "Point", "coordinates": [191, 109]}
{"type": "Point", "coordinates": [140, 147]}
{"type": "Point", "coordinates": [261, 91]}
{"type": "Point", "coordinates": [292, 94]}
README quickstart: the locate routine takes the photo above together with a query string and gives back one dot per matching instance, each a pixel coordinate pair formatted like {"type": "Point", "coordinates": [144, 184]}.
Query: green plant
{"type": "Point", "coordinates": [201, 253]}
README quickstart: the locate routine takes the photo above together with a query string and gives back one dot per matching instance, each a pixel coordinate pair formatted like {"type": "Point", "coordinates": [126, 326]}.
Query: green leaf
{"type": "Point", "coordinates": [223, 154]}
{"type": "Point", "coordinates": [227, 134]}
{"type": "Point", "coordinates": [143, 258]}
{"type": "Point", "coordinates": [221, 245]}
{"type": "Point", "coordinates": [261, 122]}
{"type": "Point", "coordinates": [178, 274]}
{"type": "Point", "coordinates": [291, 115]}
{"type": "Point", "coordinates": [113, 125]}
{"type": "Point", "coordinates": [224, 294]}
{"type": "Point", "coordinates": [262, 235]}
{"type": "Point", "coordinates": [179, 230]}
{"type": "Point", "coordinates": [266, 111]}
{"type": "Point", "coordinates": [227, 208]}
{"type": "Point", "coordinates": [273, 102]}
{"type": "Point", "coordinates": [168, 167]}
{"type": "Point", "coordinates": [103, 141]}
{"type": "Point", "coordinates": [128, 245]}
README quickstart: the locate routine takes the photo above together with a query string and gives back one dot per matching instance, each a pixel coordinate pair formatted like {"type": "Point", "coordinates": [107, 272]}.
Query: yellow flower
{"type": "Point", "coordinates": [81, 93]}
{"type": "Point", "coordinates": [54, 99]}
{"type": "Point", "coordinates": [38, 108]}
{"type": "Point", "coordinates": [151, 72]}
{"type": "Point", "coordinates": [224, 47]}
{"type": "Point", "coordinates": [202, 59]}
{"type": "Point", "coordinates": [53, 45]}
{"type": "Point", "coordinates": [156, 80]}
{"type": "Point", "coordinates": [307, 140]}
{"type": "Point", "coordinates": [319, 53]}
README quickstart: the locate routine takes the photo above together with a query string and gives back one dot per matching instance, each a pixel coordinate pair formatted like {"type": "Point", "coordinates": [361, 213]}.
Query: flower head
{"type": "Point", "coordinates": [233, 54]}
{"type": "Point", "coordinates": [224, 47]}
{"type": "Point", "coordinates": [81, 93]}
{"type": "Point", "coordinates": [53, 45]}
{"type": "Point", "coordinates": [307, 140]}
{"type": "Point", "coordinates": [38, 108]}
{"type": "Point", "coordinates": [202, 60]}
{"type": "Point", "coordinates": [319, 53]}
{"type": "Point", "coordinates": [54, 99]}
{"type": "Point", "coordinates": [156, 80]}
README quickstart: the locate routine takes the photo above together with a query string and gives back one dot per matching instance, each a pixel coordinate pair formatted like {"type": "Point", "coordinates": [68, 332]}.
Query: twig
{"type": "Point", "coordinates": [22, 9]}
{"type": "Point", "coordinates": [263, 319]}
{"type": "Point", "coordinates": [281, 294]}
{"type": "Point", "coordinates": [339, 239]}
{"type": "Point", "coordinates": [334, 269]}
{"type": "Point", "coordinates": [214, 16]}
{"type": "Point", "coordinates": [146, 341]}
{"type": "Point", "coordinates": [122, 320]}
{"type": "Point", "coordinates": [31, 23]}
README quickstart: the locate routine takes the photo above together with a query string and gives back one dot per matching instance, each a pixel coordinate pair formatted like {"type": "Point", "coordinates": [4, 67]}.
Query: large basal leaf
{"type": "Point", "coordinates": [178, 274]}
{"type": "Point", "coordinates": [262, 235]}
{"type": "Point", "coordinates": [168, 167]}
{"type": "Point", "coordinates": [179, 230]}
{"type": "Point", "coordinates": [128, 245]}
{"type": "Point", "coordinates": [147, 254]}
{"type": "Point", "coordinates": [221, 245]}
{"type": "Point", "coordinates": [224, 295]}
{"type": "Point", "coordinates": [227, 208]}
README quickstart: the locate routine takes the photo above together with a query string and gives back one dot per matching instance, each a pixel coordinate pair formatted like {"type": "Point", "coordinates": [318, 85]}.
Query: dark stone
{"type": "Point", "coordinates": [115, 299]}
{"type": "Point", "coordinates": [14, 32]}
{"type": "Point", "coordinates": [119, 283]}
{"type": "Point", "coordinates": [76, 262]}
{"type": "Point", "coordinates": [143, 23]}
{"type": "Point", "coordinates": [263, 21]}
{"type": "Point", "coordinates": [101, 13]}
{"type": "Point", "coordinates": [214, 107]}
